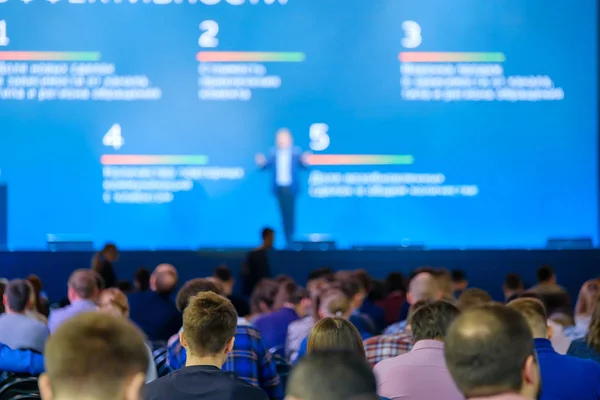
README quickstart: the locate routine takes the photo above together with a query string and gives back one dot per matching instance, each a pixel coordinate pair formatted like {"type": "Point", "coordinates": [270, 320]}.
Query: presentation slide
{"type": "Point", "coordinates": [181, 124]}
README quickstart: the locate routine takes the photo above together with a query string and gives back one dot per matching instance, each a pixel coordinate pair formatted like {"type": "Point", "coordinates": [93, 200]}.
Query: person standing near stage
{"type": "Point", "coordinates": [285, 160]}
{"type": "Point", "coordinates": [256, 265]}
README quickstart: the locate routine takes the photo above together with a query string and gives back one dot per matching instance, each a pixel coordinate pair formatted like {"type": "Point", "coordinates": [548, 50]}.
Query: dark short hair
{"type": "Point", "coordinates": [486, 349]}
{"type": "Point", "coordinates": [192, 288]}
{"type": "Point", "coordinates": [266, 232]}
{"type": "Point", "coordinates": [432, 319]}
{"type": "Point", "coordinates": [513, 281]}
{"type": "Point", "coordinates": [473, 297]}
{"type": "Point", "coordinates": [209, 322]}
{"type": "Point", "coordinates": [319, 273]}
{"type": "Point", "coordinates": [332, 375]}
{"type": "Point", "coordinates": [395, 282]}
{"type": "Point", "coordinates": [289, 292]}
{"type": "Point", "coordinates": [85, 282]}
{"type": "Point", "coordinates": [348, 283]}
{"type": "Point", "coordinates": [458, 275]}
{"type": "Point", "coordinates": [545, 273]}
{"type": "Point", "coordinates": [223, 273]}
{"type": "Point", "coordinates": [264, 292]}
{"type": "Point", "coordinates": [94, 354]}
{"type": "Point", "coordinates": [17, 294]}
{"type": "Point", "coordinates": [142, 278]}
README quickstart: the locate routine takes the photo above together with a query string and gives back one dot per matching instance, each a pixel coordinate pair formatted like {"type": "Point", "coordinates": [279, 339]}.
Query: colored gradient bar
{"type": "Point", "coordinates": [127, 159]}
{"type": "Point", "coordinates": [417, 57]}
{"type": "Point", "coordinates": [359, 159]}
{"type": "Point", "coordinates": [249, 56]}
{"type": "Point", "coordinates": [49, 56]}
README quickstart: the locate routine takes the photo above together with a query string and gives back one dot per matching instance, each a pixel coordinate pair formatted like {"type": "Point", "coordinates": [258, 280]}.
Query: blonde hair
{"type": "Point", "coordinates": [114, 301]}
{"type": "Point", "coordinates": [588, 297]}
{"type": "Point", "coordinates": [334, 303]}
{"type": "Point", "coordinates": [335, 334]}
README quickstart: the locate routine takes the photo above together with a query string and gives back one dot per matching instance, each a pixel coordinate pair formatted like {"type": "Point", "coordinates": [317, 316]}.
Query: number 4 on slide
{"type": "Point", "coordinates": [113, 137]}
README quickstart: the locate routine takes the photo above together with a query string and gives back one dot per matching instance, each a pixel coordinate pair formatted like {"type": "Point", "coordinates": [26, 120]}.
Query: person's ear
{"type": "Point", "coordinates": [229, 345]}
{"type": "Point", "coordinates": [530, 371]}
{"type": "Point", "coordinates": [550, 331]}
{"type": "Point", "coordinates": [409, 298]}
{"type": "Point", "coordinates": [133, 387]}
{"type": "Point", "coordinates": [45, 388]}
{"type": "Point", "coordinates": [182, 340]}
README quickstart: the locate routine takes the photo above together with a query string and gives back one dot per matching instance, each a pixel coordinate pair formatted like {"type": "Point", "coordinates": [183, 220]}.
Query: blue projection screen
{"type": "Point", "coordinates": [152, 123]}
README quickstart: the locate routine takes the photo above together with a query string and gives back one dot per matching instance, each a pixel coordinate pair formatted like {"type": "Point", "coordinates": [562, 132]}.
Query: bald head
{"type": "Point", "coordinates": [163, 279]}
{"type": "Point", "coordinates": [423, 286]}
{"type": "Point", "coordinates": [487, 349]}
{"type": "Point", "coordinates": [534, 312]}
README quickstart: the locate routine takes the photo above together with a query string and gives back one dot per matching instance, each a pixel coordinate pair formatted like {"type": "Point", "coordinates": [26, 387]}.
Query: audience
{"type": "Point", "coordinates": [227, 282]}
{"type": "Point", "coordinates": [395, 288]}
{"type": "Point", "coordinates": [102, 263]}
{"type": "Point", "coordinates": [372, 302]}
{"type": "Point", "coordinates": [335, 334]}
{"type": "Point", "coordinates": [563, 377]}
{"type": "Point", "coordinates": [491, 356]}
{"type": "Point", "coordinates": [473, 297]}
{"type": "Point", "coordinates": [332, 375]}
{"type": "Point", "coordinates": [41, 300]}
{"type": "Point", "coordinates": [351, 285]}
{"type": "Point", "coordinates": [17, 329]}
{"type": "Point", "coordinates": [3, 283]}
{"type": "Point", "coordinates": [291, 304]}
{"type": "Point", "coordinates": [94, 356]}
{"type": "Point", "coordinates": [114, 302]}
{"type": "Point", "coordinates": [588, 296]}
{"type": "Point", "coordinates": [262, 300]}
{"type": "Point", "coordinates": [154, 311]}
{"type": "Point", "coordinates": [82, 293]}
{"type": "Point", "coordinates": [249, 359]}
{"type": "Point", "coordinates": [553, 296]}
{"type": "Point", "coordinates": [209, 325]}
{"type": "Point", "coordinates": [512, 287]}
{"type": "Point", "coordinates": [459, 282]}
{"type": "Point", "coordinates": [421, 374]}
{"type": "Point", "coordinates": [256, 265]}
{"type": "Point", "coordinates": [141, 280]}
{"type": "Point", "coordinates": [589, 346]}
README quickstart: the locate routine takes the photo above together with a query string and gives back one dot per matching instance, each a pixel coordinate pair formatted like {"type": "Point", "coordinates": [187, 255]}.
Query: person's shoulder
{"type": "Point", "coordinates": [246, 391]}
{"type": "Point", "coordinates": [159, 388]}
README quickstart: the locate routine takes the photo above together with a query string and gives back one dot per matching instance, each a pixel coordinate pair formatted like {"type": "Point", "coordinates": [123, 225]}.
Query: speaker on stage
{"type": "Point", "coordinates": [583, 243]}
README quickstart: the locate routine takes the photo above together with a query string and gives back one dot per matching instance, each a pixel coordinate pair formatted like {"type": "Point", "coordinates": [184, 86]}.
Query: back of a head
{"type": "Point", "coordinates": [486, 349]}
{"type": "Point", "coordinates": [142, 279]}
{"type": "Point", "coordinates": [443, 278]}
{"type": "Point", "coordinates": [209, 323]}
{"type": "Point", "coordinates": [587, 298]}
{"type": "Point", "coordinates": [223, 273]}
{"type": "Point", "coordinates": [349, 283]}
{"type": "Point", "coordinates": [94, 355]}
{"type": "Point", "coordinates": [84, 282]}
{"type": "Point", "coordinates": [267, 234]}
{"type": "Point", "coordinates": [423, 286]}
{"type": "Point", "coordinates": [192, 288]}
{"type": "Point", "coordinates": [263, 296]}
{"type": "Point", "coordinates": [114, 301]}
{"type": "Point", "coordinates": [431, 320]}
{"type": "Point", "coordinates": [458, 275]}
{"type": "Point", "coordinates": [164, 279]}
{"type": "Point", "coordinates": [593, 336]}
{"type": "Point", "coordinates": [534, 312]}
{"type": "Point", "coordinates": [321, 273]}
{"type": "Point", "coordinates": [473, 297]}
{"type": "Point", "coordinates": [335, 334]}
{"type": "Point", "coordinates": [289, 294]}
{"type": "Point", "coordinates": [513, 282]}
{"type": "Point", "coordinates": [332, 375]}
{"type": "Point", "coordinates": [18, 295]}
{"type": "Point", "coordinates": [333, 303]}
{"type": "Point", "coordinates": [545, 273]}
{"type": "Point", "coordinates": [365, 279]}
{"type": "Point", "coordinates": [395, 282]}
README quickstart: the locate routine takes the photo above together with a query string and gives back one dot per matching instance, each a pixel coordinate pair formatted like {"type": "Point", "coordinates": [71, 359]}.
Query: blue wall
{"type": "Point", "coordinates": [485, 269]}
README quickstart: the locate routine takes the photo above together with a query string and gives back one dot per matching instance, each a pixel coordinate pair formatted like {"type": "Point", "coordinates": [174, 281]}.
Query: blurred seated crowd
{"type": "Point", "coordinates": [342, 336]}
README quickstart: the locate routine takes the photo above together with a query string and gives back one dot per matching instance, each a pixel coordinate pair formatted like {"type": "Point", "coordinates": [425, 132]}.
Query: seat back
{"type": "Point", "coordinates": [14, 385]}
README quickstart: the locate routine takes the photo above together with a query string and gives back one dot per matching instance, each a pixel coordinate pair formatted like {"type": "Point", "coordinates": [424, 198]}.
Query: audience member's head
{"type": "Point", "coordinates": [593, 336]}
{"type": "Point", "coordinates": [109, 253]}
{"type": "Point", "coordinates": [333, 303]}
{"type": "Point", "coordinates": [459, 280]}
{"type": "Point", "coordinates": [223, 274]}
{"type": "Point", "coordinates": [83, 285]}
{"type": "Point", "coordinates": [141, 280]}
{"type": "Point", "coordinates": [163, 279]}
{"type": "Point", "coordinates": [562, 317]}
{"type": "Point", "coordinates": [113, 301]}
{"type": "Point", "coordinates": [534, 312]}
{"type": "Point", "coordinates": [365, 280]}
{"type": "Point", "coordinates": [18, 296]}
{"type": "Point", "coordinates": [335, 334]}
{"type": "Point", "coordinates": [395, 283]}
{"type": "Point", "coordinates": [268, 237]}
{"type": "Point", "coordinates": [3, 284]}
{"type": "Point", "coordinates": [325, 273]}
{"type": "Point", "coordinates": [332, 375]}
{"type": "Point", "coordinates": [490, 351]}
{"type": "Point", "coordinates": [192, 288]}
{"type": "Point", "coordinates": [546, 275]}
{"type": "Point", "coordinates": [124, 286]}
{"type": "Point", "coordinates": [443, 278]}
{"type": "Point", "coordinates": [293, 296]}
{"type": "Point", "coordinates": [94, 356]}
{"type": "Point", "coordinates": [588, 297]}
{"type": "Point", "coordinates": [351, 285]}
{"type": "Point", "coordinates": [431, 320]}
{"type": "Point", "coordinates": [423, 286]}
{"type": "Point", "coordinates": [209, 323]}
{"type": "Point", "coordinates": [512, 287]}
{"type": "Point", "coordinates": [263, 296]}
{"type": "Point", "coordinates": [472, 298]}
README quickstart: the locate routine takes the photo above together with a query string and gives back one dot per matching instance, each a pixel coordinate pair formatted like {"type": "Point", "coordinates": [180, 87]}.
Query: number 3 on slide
{"type": "Point", "coordinates": [113, 137]}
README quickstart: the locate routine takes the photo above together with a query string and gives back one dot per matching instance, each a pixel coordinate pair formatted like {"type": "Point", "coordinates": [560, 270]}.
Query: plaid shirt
{"type": "Point", "coordinates": [249, 359]}
{"type": "Point", "coordinates": [381, 347]}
